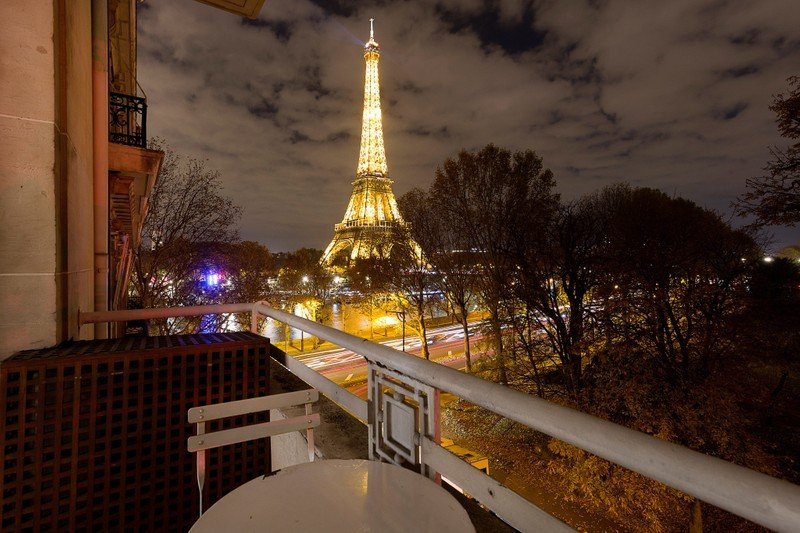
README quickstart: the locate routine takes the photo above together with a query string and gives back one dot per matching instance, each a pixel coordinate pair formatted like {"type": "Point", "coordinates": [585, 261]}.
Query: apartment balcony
{"type": "Point", "coordinates": [133, 171]}
{"type": "Point", "coordinates": [127, 119]}
{"type": "Point", "coordinates": [397, 425]}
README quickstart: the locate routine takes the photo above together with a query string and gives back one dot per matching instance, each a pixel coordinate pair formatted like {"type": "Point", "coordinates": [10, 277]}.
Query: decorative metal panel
{"type": "Point", "coordinates": [403, 410]}
{"type": "Point", "coordinates": [127, 119]}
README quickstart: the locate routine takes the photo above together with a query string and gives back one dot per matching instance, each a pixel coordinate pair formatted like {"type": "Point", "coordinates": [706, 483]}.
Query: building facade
{"type": "Point", "coordinates": [75, 170]}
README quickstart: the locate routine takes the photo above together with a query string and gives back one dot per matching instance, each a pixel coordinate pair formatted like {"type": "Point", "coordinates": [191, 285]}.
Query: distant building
{"type": "Point", "coordinates": [372, 217]}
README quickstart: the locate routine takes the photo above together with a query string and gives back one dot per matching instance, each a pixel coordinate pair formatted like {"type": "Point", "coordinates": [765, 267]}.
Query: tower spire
{"type": "Point", "coordinates": [372, 156]}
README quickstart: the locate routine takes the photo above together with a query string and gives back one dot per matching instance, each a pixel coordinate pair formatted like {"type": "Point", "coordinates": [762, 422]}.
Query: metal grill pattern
{"type": "Point", "coordinates": [405, 410]}
{"type": "Point", "coordinates": [127, 119]}
{"type": "Point", "coordinates": [94, 434]}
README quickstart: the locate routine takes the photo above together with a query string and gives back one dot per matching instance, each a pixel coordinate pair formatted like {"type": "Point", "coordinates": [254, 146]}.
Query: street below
{"type": "Point", "coordinates": [446, 346]}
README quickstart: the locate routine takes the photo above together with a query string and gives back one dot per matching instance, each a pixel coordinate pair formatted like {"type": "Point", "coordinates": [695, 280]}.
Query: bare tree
{"type": "Point", "coordinates": [560, 266]}
{"type": "Point", "coordinates": [187, 212]}
{"type": "Point", "coordinates": [410, 282]}
{"type": "Point", "coordinates": [400, 282]}
{"type": "Point", "coordinates": [775, 197]}
{"type": "Point", "coordinates": [368, 277]}
{"type": "Point", "coordinates": [489, 197]}
{"type": "Point", "coordinates": [681, 270]}
{"type": "Point", "coordinates": [447, 253]}
{"type": "Point", "coordinates": [303, 280]}
{"type": "Point", "coordinates": [248, 268]}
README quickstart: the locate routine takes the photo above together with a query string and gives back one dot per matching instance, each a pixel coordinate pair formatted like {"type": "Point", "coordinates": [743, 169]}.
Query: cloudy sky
{"type": "Point", "coordinates": [672, 95]}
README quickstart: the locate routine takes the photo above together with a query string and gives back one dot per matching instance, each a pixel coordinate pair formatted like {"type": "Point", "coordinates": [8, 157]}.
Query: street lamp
{"type": "Point", "coordinates": [402, 314]}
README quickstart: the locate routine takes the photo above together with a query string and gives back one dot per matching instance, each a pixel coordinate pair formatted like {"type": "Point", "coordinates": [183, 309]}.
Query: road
{"type": "Point", "coordinates": [446, 346]}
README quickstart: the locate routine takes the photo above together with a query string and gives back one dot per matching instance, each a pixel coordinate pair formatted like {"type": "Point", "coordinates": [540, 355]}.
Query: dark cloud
{"type": "Point", "coordinates": [672, 95]}
{"type": "Point", "coordinates": [281, 28]}
{"type": "Point", "coordinates": [422, 131]}
{"type": "Point", "coordinates": [748, 37]}
{"type": "Point", "coordinates": [732, 111]}
{"type": "Point", "coordinates": [507, 25]}
{"type": "Point", "coordinates": [297, 137]}
{"type": "Point", "coordinates": [263, 109]}
{"type": "Point", "coordinates": [738, 72]}
{"type": "Point", "coordinates": [338, 136]}
{"type": "Point", "coordinates": [341, 8]}
{"type": "Point", "coordinates": [409, 87]}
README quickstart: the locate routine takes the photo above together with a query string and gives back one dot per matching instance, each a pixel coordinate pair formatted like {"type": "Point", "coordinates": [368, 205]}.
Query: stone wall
{"type": "Point", "coordinates": [46, 243]}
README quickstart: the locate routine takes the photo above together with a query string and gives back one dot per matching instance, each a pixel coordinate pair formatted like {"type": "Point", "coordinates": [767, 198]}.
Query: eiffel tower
{"type": "Point", "coordinates": [372, 216]}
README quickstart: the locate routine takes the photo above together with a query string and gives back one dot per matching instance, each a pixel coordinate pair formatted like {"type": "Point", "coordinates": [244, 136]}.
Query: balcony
{"type": "Point", "coordinates": [127, 119]}
{"type": "Point", "coordinates": [365, 223]}
{"type": "Point", "coordinates": [133, 171]}
{"type": "Point", "coordinates": [399, 424]}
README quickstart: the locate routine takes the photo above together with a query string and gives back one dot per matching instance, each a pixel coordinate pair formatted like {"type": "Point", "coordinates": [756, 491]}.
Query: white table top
{"type": "Point", "coordinates": [337, 495]}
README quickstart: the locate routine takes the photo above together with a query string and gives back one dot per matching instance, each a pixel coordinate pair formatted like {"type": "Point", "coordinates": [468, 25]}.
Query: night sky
{"type": "Point", "coordinates": [672, 95]}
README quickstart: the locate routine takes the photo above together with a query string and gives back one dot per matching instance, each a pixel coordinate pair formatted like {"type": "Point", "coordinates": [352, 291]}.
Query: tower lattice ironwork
{"type": "Point", "coordinates": [372, 217]}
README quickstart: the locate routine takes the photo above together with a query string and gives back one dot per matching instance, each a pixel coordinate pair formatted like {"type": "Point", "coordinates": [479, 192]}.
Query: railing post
{"type": "Point", "coordinates": [254, 320]}
{"type": "Point", "coordinates": [403, 411]}
{"type": "Point", "coordinates": [144, 124]}
{"type": "Point", "coordinates": [372, 413]}
{"type": "Point", "coordinates": [436, 430]}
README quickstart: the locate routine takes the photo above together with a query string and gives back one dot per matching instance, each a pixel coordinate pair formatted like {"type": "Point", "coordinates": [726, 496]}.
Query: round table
{"type": "Point", "coordinates": [337, 495]}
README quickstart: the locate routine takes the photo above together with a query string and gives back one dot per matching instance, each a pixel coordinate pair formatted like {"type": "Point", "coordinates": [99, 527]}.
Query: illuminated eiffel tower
{"type": "Point", "coordinates": [372, 216]}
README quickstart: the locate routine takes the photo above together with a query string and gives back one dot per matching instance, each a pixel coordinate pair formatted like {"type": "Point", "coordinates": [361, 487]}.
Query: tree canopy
{"type": "Point", "coordinates": [774, 198]}
{"type": "Point", "coordinates": [190, 252]}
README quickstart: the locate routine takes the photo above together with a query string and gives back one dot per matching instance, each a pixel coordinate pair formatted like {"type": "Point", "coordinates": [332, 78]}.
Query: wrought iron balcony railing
{"type": "Point", "coordinates": [127, 119]}
{"type": "Point", "coordinates": [402, 418]}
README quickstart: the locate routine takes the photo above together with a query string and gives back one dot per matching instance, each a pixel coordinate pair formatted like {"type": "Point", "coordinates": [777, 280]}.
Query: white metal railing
{"type": "Point", "coordinates": [768, 501]}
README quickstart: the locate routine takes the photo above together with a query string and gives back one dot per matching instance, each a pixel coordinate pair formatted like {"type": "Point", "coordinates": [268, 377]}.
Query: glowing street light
{"type": "Point", "coordinates": [212, 279]}
{"type": "Point", "coordinates": [385, 321]}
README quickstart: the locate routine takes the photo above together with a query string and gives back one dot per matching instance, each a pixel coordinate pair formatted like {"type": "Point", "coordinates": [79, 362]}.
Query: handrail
{"type": "Point", "coordinates": [125, 315]}
{"type": "Point", "coordinates": [768, 501]}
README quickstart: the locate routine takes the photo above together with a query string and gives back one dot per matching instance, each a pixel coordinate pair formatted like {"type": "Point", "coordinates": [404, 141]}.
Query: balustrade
{"type": "Point", "coordinates": [127, 119]}
{"type": "Point", "coordinates": [402, 415]}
